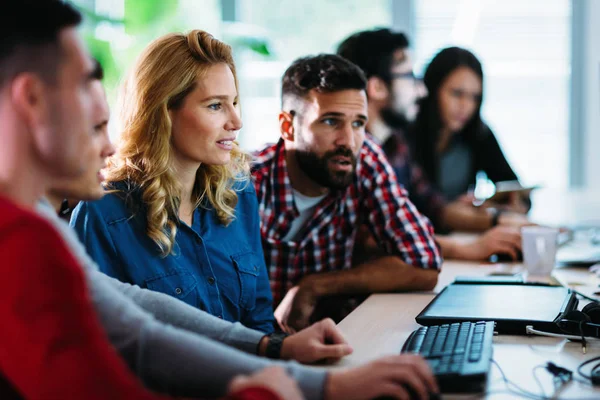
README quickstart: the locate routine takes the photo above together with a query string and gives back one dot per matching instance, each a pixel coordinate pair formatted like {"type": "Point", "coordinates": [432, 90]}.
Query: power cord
{"type": "Point", "coordinates": [594, 376]}
{"type": "Point", "coordinates": [561, 376]}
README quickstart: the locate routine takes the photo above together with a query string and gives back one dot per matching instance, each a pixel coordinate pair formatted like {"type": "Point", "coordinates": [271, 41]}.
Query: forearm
{"type": "Point", "coordinates": [382, 274]}
{"type": "Point", "coordinates": [455, 249]}
{"type": "Point", "coordinates": [174, 312]}
{"type": "Point", "coordinates": [193, 366]}
{"type": "Point", "coordinates": [462, 217]}
{"type": "Point", "coordinates": [179, 362]}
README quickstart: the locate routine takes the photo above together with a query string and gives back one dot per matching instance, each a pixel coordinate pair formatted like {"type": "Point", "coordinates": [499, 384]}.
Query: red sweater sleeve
{"type": "Point", "coordinates": [52, 345]}
{"type": "Point", "coordinates": [253, 393]}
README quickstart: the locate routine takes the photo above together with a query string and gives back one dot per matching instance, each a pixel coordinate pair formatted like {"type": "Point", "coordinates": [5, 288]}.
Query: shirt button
{"type": "Point", "coordinates": [178, 290]}
{"type": "Point", "coordinates": [211, 280]}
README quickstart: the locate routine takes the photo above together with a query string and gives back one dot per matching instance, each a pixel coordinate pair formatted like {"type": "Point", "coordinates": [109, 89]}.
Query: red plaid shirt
{"type": "Point", "coordinates": [374, 198]}
{"type": "Point", "coordinates": [411, 176]}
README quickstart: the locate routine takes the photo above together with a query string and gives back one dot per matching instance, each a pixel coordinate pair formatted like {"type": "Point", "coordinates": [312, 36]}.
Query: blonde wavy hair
{"type": "Point", "coordinates": [163, 75]}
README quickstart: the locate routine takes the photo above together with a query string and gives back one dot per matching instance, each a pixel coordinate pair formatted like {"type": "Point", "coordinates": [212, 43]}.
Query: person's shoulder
{"type": "Point", "coordinates": [119, 202]}
{"type": "Point", "coordinates": [483, 131]}
{"type": "Point", "coordinates": [263, 158]}
{"type": "Point", "coordinates": [15, 220]}
{"type": "Point", "coordinates": [243, 185]}
{"type": "Point", "coordinates": [371, 153]}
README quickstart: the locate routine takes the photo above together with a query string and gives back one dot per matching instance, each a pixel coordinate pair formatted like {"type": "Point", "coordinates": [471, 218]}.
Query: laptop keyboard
{"type": "Point", "coordinates": [459, 354]}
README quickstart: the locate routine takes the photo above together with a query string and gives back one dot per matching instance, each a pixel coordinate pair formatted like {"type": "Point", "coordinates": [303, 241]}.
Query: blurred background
{"type": "Point", "coordinates": [541, 59]}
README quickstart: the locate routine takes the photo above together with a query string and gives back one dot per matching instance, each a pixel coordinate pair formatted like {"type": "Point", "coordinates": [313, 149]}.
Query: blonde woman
{"type": "Point", "coordinates": [180, 216]}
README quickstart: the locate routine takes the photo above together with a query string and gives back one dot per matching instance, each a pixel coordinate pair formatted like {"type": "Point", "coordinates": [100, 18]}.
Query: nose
{"type": "Point", "coordinates": [235, 120]}
{"type": "Point", "coordinates": [346, 136]}
{"type": "Point", "coordinates": [108, 149]}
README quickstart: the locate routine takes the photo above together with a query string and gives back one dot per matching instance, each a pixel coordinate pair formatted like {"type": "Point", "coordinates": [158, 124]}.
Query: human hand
{"type": "Point", "coordinates": [282, 312]}
{"type": "Point", "coordinates": [274, 379]}
{"type": "Point", "coordinates": [498, 240]}
{"type": "Point", "coordinates": [322, 340]}
{"type": "Point", "coordinates": [294, 311]}
{"type": "Point", "coordinates": [514, 219]}
{"type": "Point", "coordinates": [303, 306]}
{"type": "Point", "coordinates": [393, 376]}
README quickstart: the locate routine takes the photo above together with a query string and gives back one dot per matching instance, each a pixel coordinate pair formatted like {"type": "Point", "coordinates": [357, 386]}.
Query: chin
{"type": "Point", "coordinates": [220, 161]}
{"type": "Point", "coordinates": [94, 194]}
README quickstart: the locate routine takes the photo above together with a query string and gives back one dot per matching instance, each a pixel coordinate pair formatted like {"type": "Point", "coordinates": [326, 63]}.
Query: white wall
{"type": "Point", "coordinates": [590, 94]}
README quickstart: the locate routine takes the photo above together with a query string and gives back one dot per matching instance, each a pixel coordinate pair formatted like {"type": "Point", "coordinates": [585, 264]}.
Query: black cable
{"type": "Point", "coordinates": [583, 364]}
{"type": "Point", "coordinates": [583, 342]}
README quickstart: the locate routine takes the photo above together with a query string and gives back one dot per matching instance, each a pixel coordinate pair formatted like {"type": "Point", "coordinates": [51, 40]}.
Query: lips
{"type": "Point", "coordinates": [341, 160]}
{"type": "Point", "coordinates": [227, 141]}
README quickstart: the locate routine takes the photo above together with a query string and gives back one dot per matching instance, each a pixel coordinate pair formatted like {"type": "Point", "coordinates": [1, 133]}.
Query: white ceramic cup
{"type": "Point", "coordinates": [539, 249]}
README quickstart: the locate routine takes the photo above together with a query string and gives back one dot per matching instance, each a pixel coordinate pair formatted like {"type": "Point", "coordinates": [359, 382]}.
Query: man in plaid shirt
{"type": "Point", "coordinates": [319, 183]}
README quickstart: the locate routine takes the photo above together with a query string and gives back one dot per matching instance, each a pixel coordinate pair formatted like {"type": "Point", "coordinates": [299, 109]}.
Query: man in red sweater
{"type": "Point", "coordinates": [51, 343]}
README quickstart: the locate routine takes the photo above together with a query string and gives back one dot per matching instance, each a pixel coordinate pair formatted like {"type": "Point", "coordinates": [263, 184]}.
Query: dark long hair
{"type": "Point", "coordinates": [425, 135]}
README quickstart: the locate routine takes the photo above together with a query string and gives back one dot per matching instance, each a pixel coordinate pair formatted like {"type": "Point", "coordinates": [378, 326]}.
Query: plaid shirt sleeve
{"type": "Point", "coordinates": [425, 197]}
{"type": "Point", "coordinates": [392, 218]}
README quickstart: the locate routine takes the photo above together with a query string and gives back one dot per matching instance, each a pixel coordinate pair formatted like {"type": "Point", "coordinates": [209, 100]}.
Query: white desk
{"type": "Point", "coordinates": [381, 324]}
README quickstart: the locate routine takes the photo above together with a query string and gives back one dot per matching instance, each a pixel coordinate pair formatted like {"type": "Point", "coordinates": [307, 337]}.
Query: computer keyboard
{"type": "Point", "coordinates": [459, 354]}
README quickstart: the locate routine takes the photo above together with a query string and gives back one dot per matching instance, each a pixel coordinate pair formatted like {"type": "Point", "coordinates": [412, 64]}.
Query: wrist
{"type": "Point", "coordinates": [274, 345]}
{"type": "Point", "coordinates": [310, 286]}
{"type": "Point", "coordinates": [332, 385]}
{"type": "Point", "coordinates": [262, 346]}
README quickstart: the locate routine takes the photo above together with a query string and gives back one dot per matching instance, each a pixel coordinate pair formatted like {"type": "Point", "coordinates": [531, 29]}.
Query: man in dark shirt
{"type": "Point", "coordinates": [393, 91]}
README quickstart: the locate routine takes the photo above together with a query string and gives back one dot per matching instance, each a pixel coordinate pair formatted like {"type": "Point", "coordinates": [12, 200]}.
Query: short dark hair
{"type": "Point", "coordinates": [373, 51]}
{"type": "Point", "coordinates": [98, 71]}
{"type": "Point", "coordinates": [324, 73]}
{"type": "Point", "coordinates": [29, 32]}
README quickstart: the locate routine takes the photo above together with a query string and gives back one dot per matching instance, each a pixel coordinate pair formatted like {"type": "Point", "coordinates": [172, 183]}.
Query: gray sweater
{"type": "Point", "coordinates": [172, 347]}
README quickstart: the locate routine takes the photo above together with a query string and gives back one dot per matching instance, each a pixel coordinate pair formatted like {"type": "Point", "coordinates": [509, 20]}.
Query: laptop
{"type": "Point", "coordinates": [512, 306]}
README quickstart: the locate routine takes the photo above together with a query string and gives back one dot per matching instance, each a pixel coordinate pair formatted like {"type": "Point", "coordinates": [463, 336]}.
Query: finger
{"type": "Point", "coordinates": [394, 391]}
{"type": "Point", "coordinates": [408, 375]}
{"type": "Point", "coordinates": [506, 248]}
{"type": "Point", "coordinates": [426, 374]}
{"type": "Point", "coordinates": [331, 332]}
{"type": "Point", "coordinates": [517, 241]}
{"type": "Point", "coordinates": [334, 351]}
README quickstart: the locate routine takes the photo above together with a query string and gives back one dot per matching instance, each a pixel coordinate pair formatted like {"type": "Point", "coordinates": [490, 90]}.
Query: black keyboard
{"type": "Point", "coordinates": [459, 354]}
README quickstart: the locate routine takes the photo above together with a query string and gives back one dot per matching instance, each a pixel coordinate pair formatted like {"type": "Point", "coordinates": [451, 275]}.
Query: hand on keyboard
{"type": "Point", "coordinates": [396, 376]}
{"type": "Point", "coordinates": [459, 354]}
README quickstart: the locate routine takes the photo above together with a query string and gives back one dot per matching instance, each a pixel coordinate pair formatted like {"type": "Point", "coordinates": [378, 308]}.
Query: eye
{"type": "Point", "coordinates": [330, 121]}
{"type": "Point", "coordinates": [215, 106]}
{"type": "Point", "coordinates": [100, 128]}
{"type": "Point", "coordinates": [358, 124]}
{"type": "Point", "coordinates": [456, 93]}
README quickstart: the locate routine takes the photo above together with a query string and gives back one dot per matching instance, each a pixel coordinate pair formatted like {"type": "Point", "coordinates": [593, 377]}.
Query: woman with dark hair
{"type": "Point", "coordinates": [449, 138]}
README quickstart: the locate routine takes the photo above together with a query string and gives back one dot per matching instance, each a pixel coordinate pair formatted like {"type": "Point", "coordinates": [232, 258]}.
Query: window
{"type": "Point", "coordinates": [524, 47]}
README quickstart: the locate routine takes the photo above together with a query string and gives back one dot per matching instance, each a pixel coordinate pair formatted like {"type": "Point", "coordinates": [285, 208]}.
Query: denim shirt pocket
{"type": "Point", "coordinates": [247, 268]}
{"type": "Point", "coordinates": [177, 283]}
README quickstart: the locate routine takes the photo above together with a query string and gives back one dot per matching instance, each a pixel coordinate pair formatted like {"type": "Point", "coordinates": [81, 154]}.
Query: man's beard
{"type": "Point", "coordinates": [317, 168]}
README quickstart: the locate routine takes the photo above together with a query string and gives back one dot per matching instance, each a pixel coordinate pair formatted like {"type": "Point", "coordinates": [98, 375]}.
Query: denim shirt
{"type": "Point", "coordinates": [218, 269]}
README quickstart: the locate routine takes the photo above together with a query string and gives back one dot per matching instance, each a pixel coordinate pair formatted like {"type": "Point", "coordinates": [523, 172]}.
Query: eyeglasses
{"type": "Point", "coordinates": [404, 75]}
